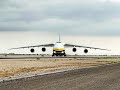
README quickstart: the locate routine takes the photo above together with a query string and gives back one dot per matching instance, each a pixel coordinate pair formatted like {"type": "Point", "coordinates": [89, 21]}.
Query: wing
{"type": "Point", "coordinates": [44, 45]}
{"type": "Point", "coordinates": [71, 45]}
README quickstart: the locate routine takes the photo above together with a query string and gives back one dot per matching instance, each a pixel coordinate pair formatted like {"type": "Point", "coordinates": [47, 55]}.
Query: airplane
{"type": "Point", "coordinates": [59, 48]}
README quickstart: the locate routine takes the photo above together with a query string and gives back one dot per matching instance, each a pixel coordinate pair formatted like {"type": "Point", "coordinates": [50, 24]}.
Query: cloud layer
{"type": "Point", "coordinates": [88, 17]}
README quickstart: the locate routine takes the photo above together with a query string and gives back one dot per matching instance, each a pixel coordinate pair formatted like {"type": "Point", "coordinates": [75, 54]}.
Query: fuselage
{"type": "Point", "coordinates": [58, 49]}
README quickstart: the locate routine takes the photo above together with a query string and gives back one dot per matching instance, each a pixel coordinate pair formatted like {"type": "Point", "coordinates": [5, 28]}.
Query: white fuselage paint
{"type": "Point", "coordinates": [58, 46]}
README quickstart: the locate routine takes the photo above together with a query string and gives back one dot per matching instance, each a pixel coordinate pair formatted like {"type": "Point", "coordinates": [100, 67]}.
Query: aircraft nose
{"type": "Point", "coordinates": [58, 49]}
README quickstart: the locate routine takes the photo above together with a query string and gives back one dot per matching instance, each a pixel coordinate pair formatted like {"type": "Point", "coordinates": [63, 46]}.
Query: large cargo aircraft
{"type": "Point", "coordinates": [59, 48]}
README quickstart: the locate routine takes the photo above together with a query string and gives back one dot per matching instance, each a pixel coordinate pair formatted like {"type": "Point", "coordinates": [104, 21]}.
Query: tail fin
{"type": "Point", "coordinates": [59, 38]}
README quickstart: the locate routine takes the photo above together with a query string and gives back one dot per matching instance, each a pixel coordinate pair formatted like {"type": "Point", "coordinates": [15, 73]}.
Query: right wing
{"type": "Point", "coordinates": [44, 45]}
{"type": "Point", "coordinates": [71, 45]}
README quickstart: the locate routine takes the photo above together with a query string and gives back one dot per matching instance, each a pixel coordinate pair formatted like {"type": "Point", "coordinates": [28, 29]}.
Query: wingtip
{"type": "Point", "coordinates": [10, 49]}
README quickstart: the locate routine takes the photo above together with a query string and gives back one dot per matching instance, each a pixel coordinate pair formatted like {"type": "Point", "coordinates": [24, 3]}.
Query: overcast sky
{"type": "Point", "coordinates": [90, 18]}
{"type": "Point", "coordinates": [82, 17]}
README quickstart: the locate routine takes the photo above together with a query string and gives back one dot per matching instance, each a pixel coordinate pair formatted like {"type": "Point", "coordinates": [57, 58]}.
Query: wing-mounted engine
{"type": "Point", "coordinates": [44, 49]}
{"type": "Point", "coordinates": [86, 51]}
{"type": "Point", "coordinates": [74, 49]}
{"type": "Point", "coordinates": [32, 50]}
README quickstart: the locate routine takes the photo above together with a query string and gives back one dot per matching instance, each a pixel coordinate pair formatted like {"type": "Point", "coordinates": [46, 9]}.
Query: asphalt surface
{"type": "Point", "coordinates": [5, 56]}
{"type": "Point", "coordinates": [97, 78]}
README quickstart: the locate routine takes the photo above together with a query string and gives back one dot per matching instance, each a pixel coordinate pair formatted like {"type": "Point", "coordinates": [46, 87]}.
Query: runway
{"type": "Point", "coordinates": [34, 56]}
{"type": "Point", "coordinates": [96, 78]}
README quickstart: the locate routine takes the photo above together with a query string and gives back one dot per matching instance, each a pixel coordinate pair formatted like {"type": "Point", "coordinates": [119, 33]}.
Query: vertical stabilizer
{"type": "Point", "coordinates": [59, 38]}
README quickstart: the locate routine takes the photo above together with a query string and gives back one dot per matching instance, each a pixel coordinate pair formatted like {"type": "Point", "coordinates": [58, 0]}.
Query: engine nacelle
{"type": "Point", "coordinates": [43, 49]}
{"type": "Point", "coordinates": [74, 50]}
{"type": "Point", "coordinates": [32, 50]}
{"type": "Point", "coordinates": [85, 51]}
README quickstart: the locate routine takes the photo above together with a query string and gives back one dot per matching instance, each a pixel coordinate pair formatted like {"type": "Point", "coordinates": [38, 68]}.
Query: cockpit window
{"type": "Point", "coordinates": [58, 42]}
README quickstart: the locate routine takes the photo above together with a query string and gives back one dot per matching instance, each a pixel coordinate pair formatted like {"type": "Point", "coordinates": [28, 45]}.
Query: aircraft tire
{"type": "Point", "coordinates": [65, 55]}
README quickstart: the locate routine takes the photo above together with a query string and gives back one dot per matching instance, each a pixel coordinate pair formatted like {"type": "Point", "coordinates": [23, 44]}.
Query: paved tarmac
{"type": "Point", "coordinates": [27, 56]}
{"type": "Point", "coordinates": [97, 78]}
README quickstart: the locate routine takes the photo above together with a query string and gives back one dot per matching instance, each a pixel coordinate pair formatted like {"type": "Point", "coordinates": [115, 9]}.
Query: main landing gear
{"type": "Point", "coordinates": [59, 53]}
{"type": "Point", "coordinates": [55, 54]}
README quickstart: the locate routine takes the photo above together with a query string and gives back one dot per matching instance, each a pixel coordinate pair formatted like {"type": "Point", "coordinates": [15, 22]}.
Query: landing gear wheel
{"type": "Point", "coordinates": [53, 55]}
{"type": "Point", "coordinates": [64, 54]}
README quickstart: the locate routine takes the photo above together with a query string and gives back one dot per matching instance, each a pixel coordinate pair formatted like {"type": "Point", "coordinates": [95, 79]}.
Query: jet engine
{"type": "Point", "coordinates": [32, 50]}
{"type": "Point", "coordinates": [85, 51]}
{"type": "Point", "coordinates": [74, 49]}
{"type": "Point", "coordinates": [43, 49]}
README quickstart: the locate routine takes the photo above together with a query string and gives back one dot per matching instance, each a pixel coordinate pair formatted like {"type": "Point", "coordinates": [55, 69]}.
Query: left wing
{"type": "Point", "coordinates": [44, 45]}
{"type": "Point", "coordinates": [71, 45]}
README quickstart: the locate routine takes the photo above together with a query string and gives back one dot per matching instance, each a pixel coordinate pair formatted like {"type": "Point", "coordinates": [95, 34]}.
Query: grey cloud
{"type": "Point", "coordinates": [3, 2]}
{"type": "Point", "coordinates": [74, 17]}
{"type": "Point", "coordinates": [99, 11]}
